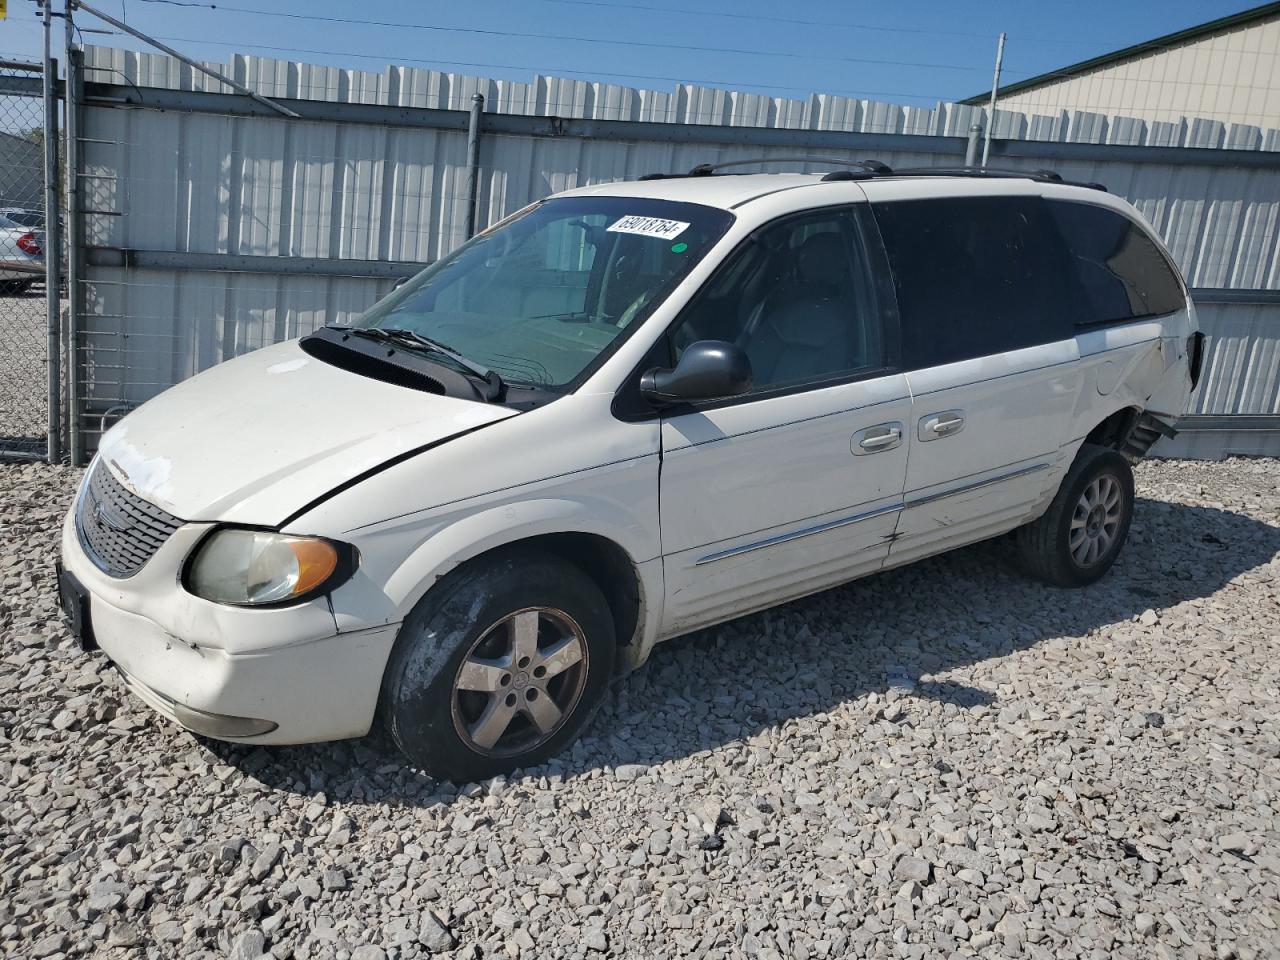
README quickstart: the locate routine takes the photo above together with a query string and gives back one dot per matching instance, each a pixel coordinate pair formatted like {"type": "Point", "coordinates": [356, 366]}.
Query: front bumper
{"type": "Point", "coordinates": [211, 668]}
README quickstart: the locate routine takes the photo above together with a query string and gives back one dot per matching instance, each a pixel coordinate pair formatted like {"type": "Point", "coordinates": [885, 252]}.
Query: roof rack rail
{"type": "Point", "coordinates": [868, 168]}
{"type": "Point", "coordinates": [995, 173]}
{"type": "Point", "coordinates": [871, 169]}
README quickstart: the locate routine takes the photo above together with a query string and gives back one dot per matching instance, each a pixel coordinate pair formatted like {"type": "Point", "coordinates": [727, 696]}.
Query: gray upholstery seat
{"type": "Point", "coordinates": [802, 327]}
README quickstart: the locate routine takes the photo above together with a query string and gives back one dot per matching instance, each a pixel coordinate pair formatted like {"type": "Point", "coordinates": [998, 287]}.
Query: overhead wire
{"type": "Point", "coordinates": [544, 69]}
{"type": "Point", "coordinates": [766, 18]}
{"type": "Point", "coordinates": [523, 35]}
{"type": "Point", "coordinates": [637, 76]}
{"type": "Point", "coordinates": [643, 44]}
{"type": "Point", "coordinates": [1039, 75]}
{"type": "Point", "coordinates": [752, 18]}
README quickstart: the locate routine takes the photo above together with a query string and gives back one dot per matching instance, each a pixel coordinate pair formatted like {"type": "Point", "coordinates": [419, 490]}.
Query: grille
{"type": "Point", "coordinates": [118, 529]}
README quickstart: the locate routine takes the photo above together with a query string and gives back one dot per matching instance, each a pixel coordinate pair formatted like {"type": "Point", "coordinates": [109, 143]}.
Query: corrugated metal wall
{"type": "Point", "coordinates": [206, 184]}
{"type": "Point", "coordinates": [1245, 369]}
{"type": "Point", "coordinates": [210, 183]}
{"type": "Point", "coordinates": [687, 103]}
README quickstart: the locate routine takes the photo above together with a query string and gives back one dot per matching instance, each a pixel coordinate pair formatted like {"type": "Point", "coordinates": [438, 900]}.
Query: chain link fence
{"type": "Point", "coordinates": [24, 371]}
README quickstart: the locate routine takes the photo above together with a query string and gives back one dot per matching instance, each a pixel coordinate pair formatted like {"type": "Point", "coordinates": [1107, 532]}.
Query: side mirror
{"type": "Point", "coordinates": [708, 369]}
{"type": "Point", "coordinates": [400, 282]}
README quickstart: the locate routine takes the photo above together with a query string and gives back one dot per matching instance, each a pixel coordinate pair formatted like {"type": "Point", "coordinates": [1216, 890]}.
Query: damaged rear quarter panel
{"type": "Point", "coordinates": [1138, 365]}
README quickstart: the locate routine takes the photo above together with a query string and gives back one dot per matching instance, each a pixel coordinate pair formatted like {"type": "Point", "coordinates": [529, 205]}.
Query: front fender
{"type": "Point", "coordinates": [401, 563]}
{"type": "Point", "coordinates": [564, 468]}
{"type": "Point", "coordinates": [500, 526]}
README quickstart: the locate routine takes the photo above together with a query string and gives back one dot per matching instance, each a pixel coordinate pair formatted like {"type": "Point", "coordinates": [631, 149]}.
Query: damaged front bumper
{"type": "Point", "coordinates": [283, 675]}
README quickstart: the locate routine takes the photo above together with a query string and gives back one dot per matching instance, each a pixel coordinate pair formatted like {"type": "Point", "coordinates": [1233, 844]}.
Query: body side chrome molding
{"type": "Point", "coordinates": [797, 534]}
{"type": "Point", "coordinates": [867, 515]}
{"type": "Point", "coordinates": [921, 501]}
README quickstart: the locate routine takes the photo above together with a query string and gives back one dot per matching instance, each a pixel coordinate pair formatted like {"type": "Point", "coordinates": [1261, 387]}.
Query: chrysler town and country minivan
{"type": "Point", "coordinates": [623, 413]}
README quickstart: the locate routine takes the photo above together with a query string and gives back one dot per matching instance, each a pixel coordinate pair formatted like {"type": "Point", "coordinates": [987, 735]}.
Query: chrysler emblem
{"type": "Point", "coordinates": [105, 517]}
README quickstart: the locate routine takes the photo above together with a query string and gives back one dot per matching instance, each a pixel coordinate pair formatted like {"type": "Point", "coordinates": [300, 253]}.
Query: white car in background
{"type": "Point", "coordinates": [21, 248]}
{"type": "Point", "coordinates": [624, 413]}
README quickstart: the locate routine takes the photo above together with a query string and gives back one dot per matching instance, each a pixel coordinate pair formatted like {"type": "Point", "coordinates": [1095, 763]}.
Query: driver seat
{"type": "Point", "coordinates": [802, 328]}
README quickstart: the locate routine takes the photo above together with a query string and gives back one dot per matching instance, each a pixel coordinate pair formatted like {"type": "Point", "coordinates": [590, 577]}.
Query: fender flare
{"type": "Point", "coordinates": [478, 533]}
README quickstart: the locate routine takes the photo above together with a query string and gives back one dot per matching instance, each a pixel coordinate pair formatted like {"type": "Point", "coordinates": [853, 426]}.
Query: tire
{"type": "Point", "coordinates": [1075, 542]}
{"type": "Point", "coordinates": [458, 671]}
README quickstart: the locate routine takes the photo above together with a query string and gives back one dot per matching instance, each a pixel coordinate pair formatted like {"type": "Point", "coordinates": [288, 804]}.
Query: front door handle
{"type": "Point", "coordinates": [881, 437]}
{"type": "Point", "coordinates": [946, 423]}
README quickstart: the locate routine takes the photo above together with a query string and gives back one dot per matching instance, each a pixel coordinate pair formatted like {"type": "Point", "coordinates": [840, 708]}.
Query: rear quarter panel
{"type": "Point", "coordinates": [1141, 365]}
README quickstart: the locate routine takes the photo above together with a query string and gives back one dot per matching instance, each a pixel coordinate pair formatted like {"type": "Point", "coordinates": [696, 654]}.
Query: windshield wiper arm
{"type": "Point", "coordinates": [492, 378]}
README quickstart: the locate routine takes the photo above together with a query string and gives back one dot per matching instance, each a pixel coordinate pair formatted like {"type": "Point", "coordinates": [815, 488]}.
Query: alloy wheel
{"type": "Point", "coordinates": [1095, 523]}
{"type": "Point", "coordinates": [519, 682]}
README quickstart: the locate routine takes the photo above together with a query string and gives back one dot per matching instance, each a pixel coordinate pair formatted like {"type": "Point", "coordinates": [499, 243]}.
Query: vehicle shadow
{"type": "Point", "coordinates": [899, 629]}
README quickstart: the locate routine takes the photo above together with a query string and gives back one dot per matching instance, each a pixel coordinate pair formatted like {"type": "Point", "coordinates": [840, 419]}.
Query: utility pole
{"type": "Point", "coordinates": [473, 161]}
{"type": "Point", "coordinates": [991, 112]}
{"type": "Point", "coordinates": [52, 243]}
{"type": "Point", "coordinates": [74, 232]}
{"type": "Point", "coordinates": [971, 146]}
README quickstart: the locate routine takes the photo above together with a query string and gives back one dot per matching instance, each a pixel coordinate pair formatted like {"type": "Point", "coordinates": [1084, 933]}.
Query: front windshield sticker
{"type": "Point", "coordinates": [650, 227]}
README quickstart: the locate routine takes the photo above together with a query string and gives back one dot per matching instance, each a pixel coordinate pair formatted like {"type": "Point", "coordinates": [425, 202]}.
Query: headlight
{"type": "Point", "coordinates": [253, 567]}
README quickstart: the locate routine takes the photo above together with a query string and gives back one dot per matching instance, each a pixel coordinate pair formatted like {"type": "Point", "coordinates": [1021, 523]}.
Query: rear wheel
{"type": "Point", "coordinates": [1079, 537]}
{"type": "Point", "coordinates": [500, 666]}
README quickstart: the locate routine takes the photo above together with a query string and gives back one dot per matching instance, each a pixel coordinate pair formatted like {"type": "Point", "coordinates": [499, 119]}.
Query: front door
{"type": "Point", "coordinates": [796, 486]}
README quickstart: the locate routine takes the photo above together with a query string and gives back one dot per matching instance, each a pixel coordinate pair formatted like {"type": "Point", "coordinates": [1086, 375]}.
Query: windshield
{"type": "Point", "coordinates": [541, 296]}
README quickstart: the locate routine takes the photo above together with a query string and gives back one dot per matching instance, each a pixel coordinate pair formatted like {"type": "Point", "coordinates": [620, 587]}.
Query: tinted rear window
{"type": "Point", "coordinates": [974, 276]}
{"type": "Point", "coordinates": [1121, 274]}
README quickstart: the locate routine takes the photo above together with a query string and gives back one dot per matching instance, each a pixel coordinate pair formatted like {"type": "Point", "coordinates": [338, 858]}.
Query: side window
{"type": "Point", "coordinates": [1121, 274]}
{"type": "Point", "coordinates": [974, 276]}
{"type": "Point", "coordinates": [799, 297]}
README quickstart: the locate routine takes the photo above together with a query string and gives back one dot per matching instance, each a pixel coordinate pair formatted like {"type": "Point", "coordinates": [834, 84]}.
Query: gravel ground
{"type": "Point", "coordinates": [945, 760]}
{"type": "Point", "coordinates": [24, 390]}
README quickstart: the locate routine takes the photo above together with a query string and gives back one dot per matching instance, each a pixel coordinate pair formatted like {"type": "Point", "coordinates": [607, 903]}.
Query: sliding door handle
{"type": "Point", "coordinates": [935, 426]}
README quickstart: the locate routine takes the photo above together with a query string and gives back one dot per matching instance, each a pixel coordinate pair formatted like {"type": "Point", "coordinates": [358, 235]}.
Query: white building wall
{"type": "Point", "coordinates": [1232, 77]}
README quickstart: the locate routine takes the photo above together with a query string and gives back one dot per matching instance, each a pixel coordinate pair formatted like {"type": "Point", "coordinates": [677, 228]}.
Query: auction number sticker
{"type": "Point", "coordinates": [649, 227]}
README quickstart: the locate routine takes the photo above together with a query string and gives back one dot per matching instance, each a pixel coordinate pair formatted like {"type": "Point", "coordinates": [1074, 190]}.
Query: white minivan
{"type": "Point", "coordinates": [626, 412]}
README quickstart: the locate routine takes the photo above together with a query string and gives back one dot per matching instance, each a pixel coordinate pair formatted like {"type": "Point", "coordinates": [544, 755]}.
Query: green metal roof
{"type": "Point", "coordinates": [1150, 46]}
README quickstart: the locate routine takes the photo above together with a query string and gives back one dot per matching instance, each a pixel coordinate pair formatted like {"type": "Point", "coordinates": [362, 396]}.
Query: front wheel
{"type": "Point", "coordinates": [500, 666]}
{"type": "Point", "coordinates": [1079, 537]}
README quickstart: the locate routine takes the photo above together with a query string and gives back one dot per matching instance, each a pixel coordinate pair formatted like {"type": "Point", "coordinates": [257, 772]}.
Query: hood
{"type": "Point", "coordinates": [255, 439]}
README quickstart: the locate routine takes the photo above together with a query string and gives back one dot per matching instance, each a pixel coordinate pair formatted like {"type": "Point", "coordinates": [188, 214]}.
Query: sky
{"type": "Point", "coordinates": [912, 53]}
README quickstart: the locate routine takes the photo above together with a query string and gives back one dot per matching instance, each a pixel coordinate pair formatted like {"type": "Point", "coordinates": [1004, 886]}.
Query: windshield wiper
{"type": "Point", "coordinates": [492, 379]}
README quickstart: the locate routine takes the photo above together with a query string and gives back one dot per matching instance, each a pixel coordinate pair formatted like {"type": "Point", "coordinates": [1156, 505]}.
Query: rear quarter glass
{"type": "Point", "coordinates": [1120, 273]}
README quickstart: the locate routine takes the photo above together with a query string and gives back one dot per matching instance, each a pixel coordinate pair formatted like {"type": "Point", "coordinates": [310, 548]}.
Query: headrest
{"type": "Point", "coordinates": [822, 259]}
